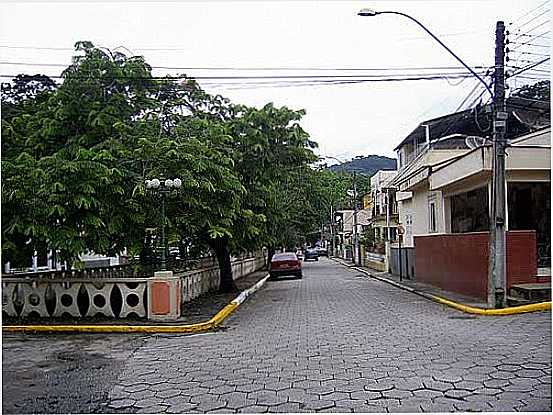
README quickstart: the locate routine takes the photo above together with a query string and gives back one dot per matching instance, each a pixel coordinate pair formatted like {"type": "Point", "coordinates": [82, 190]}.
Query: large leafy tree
{"type": "Point", "coordinates": [64, 185]}
{"type": "Point", "coordinates": [75, 156]}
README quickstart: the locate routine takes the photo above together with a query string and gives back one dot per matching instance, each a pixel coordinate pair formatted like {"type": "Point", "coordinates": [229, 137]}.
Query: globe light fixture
{"type": "Point", "coordinates": [163, 187]}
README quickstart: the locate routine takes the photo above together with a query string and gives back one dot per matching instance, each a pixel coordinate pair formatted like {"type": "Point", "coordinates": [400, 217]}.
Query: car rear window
{"type": "Point", "coordinates": [284, 257]}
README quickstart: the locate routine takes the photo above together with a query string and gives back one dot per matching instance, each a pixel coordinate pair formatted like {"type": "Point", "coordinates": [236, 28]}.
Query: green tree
{"type": "Point", "coordinates": [540, 91]}
{"type": "Point", "coordinates": [76, 156]}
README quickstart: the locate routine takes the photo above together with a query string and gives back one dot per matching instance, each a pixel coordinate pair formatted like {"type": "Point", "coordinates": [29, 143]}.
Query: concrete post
{"type": "Point", "coordinates": [164, 296]}
{"type": "Point", "coordinates": [35, 261]}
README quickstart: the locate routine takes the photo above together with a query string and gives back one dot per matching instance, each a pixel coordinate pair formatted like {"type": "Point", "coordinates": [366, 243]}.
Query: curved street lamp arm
{"type": "Point", "coordinates": [443, 45]}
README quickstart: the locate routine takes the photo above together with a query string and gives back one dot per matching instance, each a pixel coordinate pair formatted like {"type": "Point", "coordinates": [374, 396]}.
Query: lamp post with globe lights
{"type": "Point", "coordinates": [163, 187]}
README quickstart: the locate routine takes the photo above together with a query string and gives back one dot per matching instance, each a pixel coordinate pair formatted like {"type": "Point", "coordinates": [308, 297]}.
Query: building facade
{"type": "Point", "coordinates": [444, 198]}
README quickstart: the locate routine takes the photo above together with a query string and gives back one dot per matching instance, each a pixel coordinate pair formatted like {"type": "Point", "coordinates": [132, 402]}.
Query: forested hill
{"type": "Point", "coordinates": [366, 165]}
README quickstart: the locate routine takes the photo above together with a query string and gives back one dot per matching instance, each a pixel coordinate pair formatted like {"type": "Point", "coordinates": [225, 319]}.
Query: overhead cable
{"type": "Point", "coordinates": [234, 68]}
{"type": "Point", "coordinates": [530, 12]}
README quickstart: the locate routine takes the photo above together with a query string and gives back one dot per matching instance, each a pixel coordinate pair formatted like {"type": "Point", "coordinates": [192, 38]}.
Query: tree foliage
{"type": "Point", "coordinates": [540, 91]}
{"type": "Point", "coordinates": [75, 157]}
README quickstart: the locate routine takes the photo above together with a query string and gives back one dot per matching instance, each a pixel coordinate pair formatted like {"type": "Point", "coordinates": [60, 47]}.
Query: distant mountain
{"type": "Point", "coordinates": [368, 165]}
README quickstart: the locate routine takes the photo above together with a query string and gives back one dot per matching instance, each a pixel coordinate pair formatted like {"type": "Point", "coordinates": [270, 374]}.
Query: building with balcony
{"type": "Point", "coordinates": [444, 197]}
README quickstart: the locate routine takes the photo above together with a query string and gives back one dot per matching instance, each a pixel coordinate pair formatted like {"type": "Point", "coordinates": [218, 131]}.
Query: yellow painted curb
{"type": "Point", "coordinates": [529, 308]}
{"type": "Point", "coordinates": [189, 328]}
{"type": "Point", "coordinates": [216, 320]}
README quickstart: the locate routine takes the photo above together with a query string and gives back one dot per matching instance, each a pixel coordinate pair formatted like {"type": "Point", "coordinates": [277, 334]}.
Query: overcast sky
{"type": "Point", "coordinates": [346, 119]}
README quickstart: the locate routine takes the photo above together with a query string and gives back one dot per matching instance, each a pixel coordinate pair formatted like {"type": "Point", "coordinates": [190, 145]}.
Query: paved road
{"type": "Point", "coordinates": [62, 373]}
{"type": "Point", "coordinates": [338, 341]}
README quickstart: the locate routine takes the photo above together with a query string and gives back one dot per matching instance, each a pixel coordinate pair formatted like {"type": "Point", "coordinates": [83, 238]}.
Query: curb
{"type": "Point", "coordinates": [529, 308]}
{"type": "Point", "coordinates": [212, 323]}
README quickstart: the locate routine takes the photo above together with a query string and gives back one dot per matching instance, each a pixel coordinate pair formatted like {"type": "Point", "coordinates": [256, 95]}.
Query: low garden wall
{"type": "Point", "coordinates": [53, 294]}
{"type": "Point", "coordinates": [459, 262]}
{"type": "Point", "coordinates": [374, 260]}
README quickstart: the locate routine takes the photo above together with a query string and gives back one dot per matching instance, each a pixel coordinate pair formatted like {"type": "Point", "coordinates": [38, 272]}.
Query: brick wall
{"type": "Point", "coordinates": [459, 262]}
{"type": "Point", "coordinates": [522, 263]}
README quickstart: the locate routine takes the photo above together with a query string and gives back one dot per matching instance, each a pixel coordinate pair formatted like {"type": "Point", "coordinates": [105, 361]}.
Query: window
{"type": "Point", "coordinates": [393, 234]}
{"type": "Point", "coordinates": [469, 211]}
{"type": "Point", "coordinates": [432, 218]}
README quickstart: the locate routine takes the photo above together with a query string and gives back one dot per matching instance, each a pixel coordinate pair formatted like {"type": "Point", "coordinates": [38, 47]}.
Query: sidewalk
{"type": "Point", "coordinates": [196, 311]}
{"type": "Point", "coordinates": [421, 287]}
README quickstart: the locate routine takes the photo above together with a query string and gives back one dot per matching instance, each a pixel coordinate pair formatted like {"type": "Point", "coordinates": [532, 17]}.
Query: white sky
{"type": "Point", "coordinates": [346, 120]}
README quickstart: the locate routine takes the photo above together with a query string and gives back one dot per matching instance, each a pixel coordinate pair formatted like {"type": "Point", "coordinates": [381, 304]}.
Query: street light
{"type": "Point", "coordinates": [163, 187]}
{"type": "Point", "coordinates": [371, 13]}
{"type": "Point", "coordinates": [497, 264]}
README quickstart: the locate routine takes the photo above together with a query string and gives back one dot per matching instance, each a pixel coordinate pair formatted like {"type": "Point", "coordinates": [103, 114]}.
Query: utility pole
{"type": "Point", "coordinates": [497, 279]}
{"type": "Point", "coordinates": [332, 242]}
{"type": "Point", "coordinates": [387, 200]}
{"type": "Point", "coordinates": [356, 252]}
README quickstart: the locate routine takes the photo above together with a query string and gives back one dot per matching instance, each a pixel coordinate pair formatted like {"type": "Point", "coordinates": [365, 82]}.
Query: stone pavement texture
{"type": "Point", "coordinates": [425, 288]}
{"type": "Point", "coordinates": [337, 341]}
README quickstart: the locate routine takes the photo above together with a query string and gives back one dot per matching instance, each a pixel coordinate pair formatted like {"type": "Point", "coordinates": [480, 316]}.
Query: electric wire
{"type": "Point", "coordinates": [234, 68]}
{"type": "Point", "coordinates": [530, 12]}
{"type": "Point", "coordinates": [532, 19]}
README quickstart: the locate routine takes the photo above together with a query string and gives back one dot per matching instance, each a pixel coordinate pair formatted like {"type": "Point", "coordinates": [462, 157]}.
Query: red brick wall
{"type": "Point", "coordinates": [459, 262]}
{"type": "Point", "coordinates": [522, 263]}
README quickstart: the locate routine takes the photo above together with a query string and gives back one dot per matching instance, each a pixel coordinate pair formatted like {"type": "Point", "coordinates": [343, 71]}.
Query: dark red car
{"type": "Point", "coordinates": [286, 263]}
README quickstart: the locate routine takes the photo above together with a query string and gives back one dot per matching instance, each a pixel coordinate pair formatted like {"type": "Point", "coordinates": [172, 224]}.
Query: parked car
{"type": "Point", "coordinates": [311, 253]}
{"type": "Point", "coordinates": [322, 251]}
{"type": "Point", "coordinates": [286, 263]}
{"type": "Point", "coordinates": [299, 254]}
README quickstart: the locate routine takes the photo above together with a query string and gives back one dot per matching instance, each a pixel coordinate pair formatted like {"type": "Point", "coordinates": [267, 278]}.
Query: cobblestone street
{"type": "Point", "coordinates": [337, 341]}
{"type": "Point", "coordinates": [334, 341]}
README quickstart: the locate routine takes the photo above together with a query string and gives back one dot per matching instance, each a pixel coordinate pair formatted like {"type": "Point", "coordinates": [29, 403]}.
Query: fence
{"type": "Point", "coordinates": [104, 292]}
{"type": "Point", "coordinates": [407, 262]}
{"type": "Point", "coordinates": [129, 270]}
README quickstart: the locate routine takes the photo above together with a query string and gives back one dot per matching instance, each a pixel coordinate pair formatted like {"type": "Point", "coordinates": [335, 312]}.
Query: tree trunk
{"type": "Point", "coordinates": [270, 253]}
{"type": "Point", "coordinates": [220, 247]}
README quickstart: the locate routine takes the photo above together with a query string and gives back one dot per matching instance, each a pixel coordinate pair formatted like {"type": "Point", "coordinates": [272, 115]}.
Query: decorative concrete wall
{"type": "Point", "coordinates": [459, 262]}
{"type": "Point", "coordinates": [115, 297]}
{"type": "Point", "coordinates": [200, 281]}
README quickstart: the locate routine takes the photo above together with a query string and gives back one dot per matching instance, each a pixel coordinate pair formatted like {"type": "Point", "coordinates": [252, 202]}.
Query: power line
{"type": "Point", "coordinates": [301, 83]}
{"type": "Point", "coordinates": [534, 18]}
{"type": "Point", "coordinates": [234, 68]}
{"type": "Point", "coordinates": [277, 77]}
{"type": "Point", "coordinates": [530, 53]}
{"type": "Point", "coordinates": [526, 32]}
{"type": "Point", "coordinates": [536, 36]}
{"type": "Point", "coordinates": [529, 43]}
{"type": "Point", "coordinates": [530, 12]}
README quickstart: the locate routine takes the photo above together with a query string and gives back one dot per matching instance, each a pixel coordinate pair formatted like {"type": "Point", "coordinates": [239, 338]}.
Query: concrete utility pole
{"type": "Point", "coordinates": [497, 278]}
{"type": "Point", "coordinates": [387, 199]}
{"type": "Point", "coordinates": [356, 251]}
{"type": "Point", "coordinates": [332, 242]}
